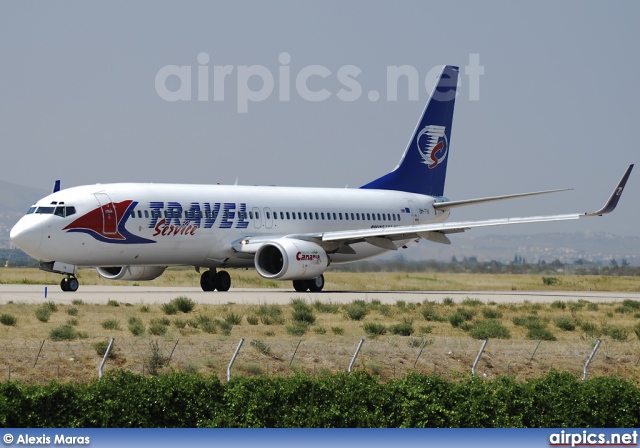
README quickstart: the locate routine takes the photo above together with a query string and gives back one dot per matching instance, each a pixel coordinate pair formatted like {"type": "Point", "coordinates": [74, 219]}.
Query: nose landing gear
{"type": "Point", "coordinates": [69, 284]}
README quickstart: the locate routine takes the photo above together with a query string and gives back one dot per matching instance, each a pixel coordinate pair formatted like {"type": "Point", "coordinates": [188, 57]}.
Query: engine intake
{"type": "Point", "coordinates": [131, 272]}
{"type": "Point", "coordinates": [289, 259]}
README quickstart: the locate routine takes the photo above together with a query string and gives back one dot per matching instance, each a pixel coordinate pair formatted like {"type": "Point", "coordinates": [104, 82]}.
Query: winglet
{"type": "Point", "coordinates": [615, 196]}
{"type": "Point", "coordinates": [56, 186]}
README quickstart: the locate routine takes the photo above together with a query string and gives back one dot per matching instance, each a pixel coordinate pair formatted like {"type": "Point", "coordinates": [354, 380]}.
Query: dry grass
{"type": "Point", "coordinates": [205, 339]}
{"type": "Point", "coordinates": [372, 281]}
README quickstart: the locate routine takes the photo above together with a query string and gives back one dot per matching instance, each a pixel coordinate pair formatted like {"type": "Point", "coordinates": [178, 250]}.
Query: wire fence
{"type": "Point", "coordinates": [39, 361]}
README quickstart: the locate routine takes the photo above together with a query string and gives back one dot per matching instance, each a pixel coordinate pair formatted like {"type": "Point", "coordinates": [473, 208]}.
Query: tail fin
{"type": "Point", "coordinates": [423, 166]}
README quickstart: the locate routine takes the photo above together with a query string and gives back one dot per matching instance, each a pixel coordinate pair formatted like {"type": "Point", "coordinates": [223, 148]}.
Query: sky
{"type": "Point", "coordinates": [136, 91]}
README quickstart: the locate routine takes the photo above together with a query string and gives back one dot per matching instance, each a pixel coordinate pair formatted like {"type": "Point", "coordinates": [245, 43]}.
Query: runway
{"type": "Point", "coordinates": [149, 295]}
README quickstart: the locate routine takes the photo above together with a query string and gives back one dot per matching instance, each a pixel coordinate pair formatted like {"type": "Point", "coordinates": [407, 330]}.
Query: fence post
{"type": "Point", "coordinates": [475, 363]}
{"type": "Point", "coordinates": [106, 355]}
{"type": "Point", "coordinates": [424, 342]}
{"type": "Point", "coordinates": [534, 351]}
{"type": "Point", "coordinates": [294, 352]}
{"type": "Point", "coordinates": [234, 359]}
{"type": "Point", "coordinates": [174, 349]}
{"type": "Point", "coordinates": [38, 356]}
{"type": "Point", "coordinates": [586, 365]}
{"type": "Point", "coordinates": [355, 355]}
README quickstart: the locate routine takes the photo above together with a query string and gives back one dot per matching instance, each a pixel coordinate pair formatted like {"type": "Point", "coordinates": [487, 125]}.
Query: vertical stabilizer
{"type": "Point", "coordinates": [423, 166]}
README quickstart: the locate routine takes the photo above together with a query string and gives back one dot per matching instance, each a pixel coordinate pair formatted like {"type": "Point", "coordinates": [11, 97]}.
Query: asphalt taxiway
{"type": "Point", "coordinates": [150, 295]}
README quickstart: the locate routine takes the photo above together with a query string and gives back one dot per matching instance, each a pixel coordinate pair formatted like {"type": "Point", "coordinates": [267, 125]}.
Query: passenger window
{"type": "Point", "coordinates": [146, 213]}
{"type": "Point", "coordinates": [317, 216]}
{"type": "Point", "coordinates": [328, 216]}
{"type": "Point", "coordinates": [322, 215]}
{"type": "Point", "coordinates": [268, 215]}
{"type": "Point", "coordinates": [340, 216]}
{"type": "Point", "coordinates": [288, 217]}
{"type": "Point", "coordinates": [250, 215]}
{"type": "Point", "coordinates": [305, 215]}
{"type": "Point", "coordinates": [281, 215]}
{"type": "Point", "coordinates": [257, 215]}
{"type": "Point", "coordinates": [293, 215]}
{"type": "Point", "coordinates": [368, 217]}
{"type": "Point", "coordinates": [334, 217]}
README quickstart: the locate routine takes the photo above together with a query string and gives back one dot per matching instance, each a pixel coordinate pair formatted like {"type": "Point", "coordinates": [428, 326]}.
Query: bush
{"type": "Point", "coordinates": [550, 281]}
{"type": "Point", "coordinates": [112, 302]}
{"type": "Point", "coordinates": [66, 333]}
{"type": "Point", "coordinates": [170, 308]}
{"type": "Point", "coordinates": [136, 327]}
{"type": "Point", "coordinates": [8, 319]}
{"type": "Point", "coordinates": [402, 329]}
{"type": "Point", "coordinates": [101, 348]}
{"type": "Point", "coordinates": [559, 304]}
{"type": "Point", "coordinates": [490, 313]}
{"type": "Point", "coordinates": [253, 320]}
{"type": "Point", "coordinates": [530, 322]}
{"type": "Point", "coordinates": [616, 332]}
{"type": "Point", "coordinates": [373, 329]}
{"type": "Point", "coordinates": [111, 324]}
{"type": "Point", "coordinates": [73, 311]}
{"type": "Point", "coordinates": [43, 314]}
{"type": "Point", "coordinates": [489, 328]}
{"type": "Point", "coordinates": [540, 334]}
{"type": "Point", "coordinates": [233, 319]}
{"type": "Point", "coordinates": [327, 308]}
{"type": "Point", "coordinates": [297, 328]}
{"type": "Point", "coordinates": [566, 323]}
{"type": "Point", "coordinates": [429, 313]}
{"type": "Point", "coordinates": [184, 304]}
{"type": "Point", "coordinates": [302, 312]}
{"type": "Point", "coordinates": [356, 310]}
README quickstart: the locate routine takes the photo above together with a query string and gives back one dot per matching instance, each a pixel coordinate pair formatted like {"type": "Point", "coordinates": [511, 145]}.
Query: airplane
{"type": "Point", "coordinates": [134, 231]}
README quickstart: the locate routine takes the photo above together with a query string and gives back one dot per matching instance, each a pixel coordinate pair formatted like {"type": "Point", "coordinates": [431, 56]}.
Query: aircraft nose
{"type": "Point", "coordinates": [27, 235]}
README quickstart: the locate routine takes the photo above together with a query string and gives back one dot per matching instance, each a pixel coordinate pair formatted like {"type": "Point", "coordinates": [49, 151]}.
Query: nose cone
{"type": "Point", "coordinates": [27, 235]}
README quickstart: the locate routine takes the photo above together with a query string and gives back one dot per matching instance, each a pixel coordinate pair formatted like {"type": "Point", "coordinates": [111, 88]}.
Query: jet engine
{"type": "Point", "coordinates": [131, 272]}
{"type": "Point", "coordinates": [290, 259]}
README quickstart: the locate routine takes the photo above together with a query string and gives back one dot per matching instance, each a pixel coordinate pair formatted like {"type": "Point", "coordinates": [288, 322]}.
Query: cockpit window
{"type": "Point", "coordinates": [32, 210]}
{"type": "Point", "coordinates": [45, 210]}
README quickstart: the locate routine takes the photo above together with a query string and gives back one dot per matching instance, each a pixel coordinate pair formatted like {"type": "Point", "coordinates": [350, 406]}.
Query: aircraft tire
{"type": "Point", "coordinates": [64, 284]}
{"type": "Point", "coordinates": [300, 285]}
{"type": "Point", "coordinates": [316, 284]}
{"type": "Point", "coordinates": [222, 281]}
{"type": "Point", "coordinates": [72, 284]}
{"type": "Point", "coordinates": [206, 281]}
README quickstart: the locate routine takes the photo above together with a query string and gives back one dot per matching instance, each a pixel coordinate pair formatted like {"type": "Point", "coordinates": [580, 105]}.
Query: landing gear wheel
{"type": "Point", "coordinates": [69, 284]}
{"type": "Point", "coordinates": [300, 285]}
{"type": "Point", "coordinates": [316, 284]}
{"type": "Point", "coordinates": [206, 281]}
{"type": "Point", "coordinates": [73, 284]}
{"type": "Point", "coordinates": [222, 281]}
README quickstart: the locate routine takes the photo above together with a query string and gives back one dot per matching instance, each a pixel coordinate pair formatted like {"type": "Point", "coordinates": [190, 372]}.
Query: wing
{"type": "Point", "coordinates": [437, 232]}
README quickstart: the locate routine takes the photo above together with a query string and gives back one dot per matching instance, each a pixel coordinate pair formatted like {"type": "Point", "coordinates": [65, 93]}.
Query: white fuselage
{"type": "Point", "coordinates": [197, 225]}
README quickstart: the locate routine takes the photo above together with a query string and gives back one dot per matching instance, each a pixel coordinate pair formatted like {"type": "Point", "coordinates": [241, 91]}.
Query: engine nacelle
{"type": "Point", "coordinates": [289, 259]}
{"type": "Point", "coordinates": [131, 272]}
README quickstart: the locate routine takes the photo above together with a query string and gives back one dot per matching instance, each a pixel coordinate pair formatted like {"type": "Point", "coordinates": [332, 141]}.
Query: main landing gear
{"type": "Point", "coordinates": [69, 283]}
{"type": "Point", "coordinates": [313, 285]}
{"type": "Point", "coordinates": [215, 281]}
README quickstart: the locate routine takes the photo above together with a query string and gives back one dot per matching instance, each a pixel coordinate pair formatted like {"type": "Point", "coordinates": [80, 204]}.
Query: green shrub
{"type": "Point", "coordinates": [112, 302]}
{"type": "Point", "coordinates": [356, 311]}
{"type": "Point", "coordinates": [170, 308]}
{"type": "Point", "coordinates": [590, 329]}
{"type": "Point", "coordinates": [184, 304]}
{"type": "Point", "coordinates": [319, 330]}
{"type": "Point", "coordinates": [179, 323]}
{"type": "Point", "coordinates": [101, 348]}
{"type": "Point", "coordinates": [448, 301]}
{"type": "Point", "coordinates": [489, 328]}
{"type": "Point", "coordinates": [136, 327]}
{"type": "Point", "coordinates": [566, 323]}
{"type": "Point", "coordinates": [73, 311]}
{"type": "Point", "coordinates": [297, 328]}
{"type": "Point", "coordinates": [373, 329]}
{"type": "Point", "coordinates": [253, 320]}
{"type": "Point", "coordinates": [326, 308]}
{"type": "Point", "coordinates": [531, 322]}
{"type": "Point", "coordinates": [559, 304]}
{"type": "Point", "coordinates": [617, 333]}
{"type": "Point", "coordinates": [43, 314]}
{"type": "Point", "coordinates": [472, 302]}
{"type": "Point", "coordinates": [429, 314]}
{"type": "Point", "coordinates": [261, 347]}
{"type": "Point", "coordinates": [402, 329]}
{"type": "Point", "coordinates": [8, 319]}
{"type": "Point", "coordinates": [233, 319]}
{"type": "Point", "coordinates": [66, 333]}
{"type": "Point", "coordinates": [340, 331]}
{"type": "Point", "coordinates": [157, 329]}
{"type": "Point", "coordinates": [77, 302]}
{"type": "Point", "coordinates": [145, 308]}
{"type": "Point", "coordinates": [549, 281]}
{"type": "Point", "coordinates": [302, 312]}
{"type": "Point", "coordinates": [111, 324]}
{"type": "Point", "coordinates": [540, 334]}
{"type": "Point", "coordinates": [490, 313]}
